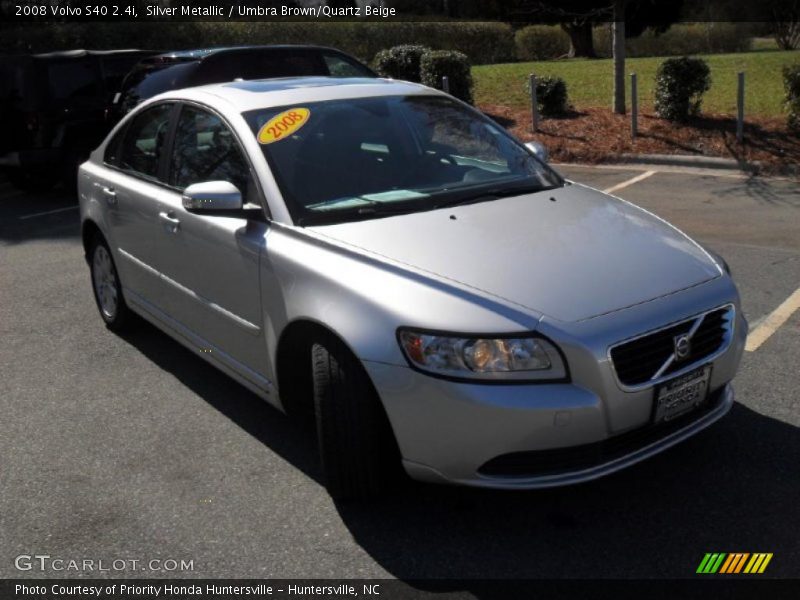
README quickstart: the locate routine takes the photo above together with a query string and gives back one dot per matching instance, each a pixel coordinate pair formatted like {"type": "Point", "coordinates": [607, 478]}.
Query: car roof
{"type": "Point", "coordinates": [84, 53]}
{"type": "Point", "coordinates": [243, 96]}
{"type": "Point", "coordinates": [201, 53]}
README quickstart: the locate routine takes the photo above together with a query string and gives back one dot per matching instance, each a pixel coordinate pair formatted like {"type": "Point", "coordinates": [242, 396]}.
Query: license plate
{"type": "Point", "coordinates": [682, 394]}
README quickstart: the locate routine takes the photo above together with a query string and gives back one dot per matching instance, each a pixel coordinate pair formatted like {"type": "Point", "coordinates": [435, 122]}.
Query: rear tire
{"type": "Point", "coordinates": [357, 448]}
{"type": "Point", "coordinates": [107, 287]}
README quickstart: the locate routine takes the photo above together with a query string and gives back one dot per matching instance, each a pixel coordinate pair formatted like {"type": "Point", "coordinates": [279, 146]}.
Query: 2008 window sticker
{"type": "Point", "coordinates": [283, 125]}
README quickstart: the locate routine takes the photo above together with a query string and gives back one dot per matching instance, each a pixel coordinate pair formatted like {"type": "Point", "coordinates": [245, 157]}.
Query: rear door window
{"type": "Point", "coordinates": [141, 145]}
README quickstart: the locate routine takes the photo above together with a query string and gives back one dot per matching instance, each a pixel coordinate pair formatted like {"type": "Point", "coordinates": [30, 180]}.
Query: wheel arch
{"type": "Point", "coordinates": [293, 368]}
{"type": "Point", "coordinates": [89, 229]}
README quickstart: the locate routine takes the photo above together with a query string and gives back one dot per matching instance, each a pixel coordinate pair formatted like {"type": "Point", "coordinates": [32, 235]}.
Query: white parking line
{"type": "Point", "coordinates": [766, 327]}
{"type": "Point", "coordinates": [631, 181]}
{"type": "Point", "coordinates": [47, 212]}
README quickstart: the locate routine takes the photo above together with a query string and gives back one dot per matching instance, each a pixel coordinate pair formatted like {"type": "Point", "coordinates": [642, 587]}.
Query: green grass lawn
{"type": "Point", "coordinates": [590, 81]}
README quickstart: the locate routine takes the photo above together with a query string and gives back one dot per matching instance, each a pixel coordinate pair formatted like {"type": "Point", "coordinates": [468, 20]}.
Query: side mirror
{"type": "Point", "coordinates": [212, 196]}
{"type": "Point", "coordinates": [539, 150]}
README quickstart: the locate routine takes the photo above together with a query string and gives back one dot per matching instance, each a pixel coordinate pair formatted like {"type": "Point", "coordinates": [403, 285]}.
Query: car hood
{"type": "Point", "coordinates": [570, 254]}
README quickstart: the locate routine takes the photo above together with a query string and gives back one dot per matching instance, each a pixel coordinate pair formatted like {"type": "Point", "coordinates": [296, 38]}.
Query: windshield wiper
{"type": "Point", "coordinates": [367, 211]}
{"type": "Point", "coordinates": [494, 194]}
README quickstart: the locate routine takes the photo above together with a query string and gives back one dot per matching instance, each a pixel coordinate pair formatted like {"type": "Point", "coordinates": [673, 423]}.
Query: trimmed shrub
{"type": "Point", "coordinates": [454, 65]}
{"type": "Point", "coordinates": [541, 42]}
{"type": "Point", "coordinates": [400, 62]}
{"type": "Point", "coordinates": [484, 42]}
{"type": "Point", "coordinates": [551, 96]}
{"type": "Point", "coordinates": [681, 40]}
{"type": "Point", "coordinates": [791, 81]}
{"type": "Point", "coordinates": [680, 85]}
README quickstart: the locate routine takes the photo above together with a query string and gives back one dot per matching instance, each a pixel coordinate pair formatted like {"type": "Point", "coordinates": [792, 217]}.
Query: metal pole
{"type": "Point", "coordinates": [534, 105]}
{"type": "Point", "coordinates": [446, 84]}
{"type": "Point", "coordinates": [740, 106]}
{"type": "Point", "coordinates": [634, 107]}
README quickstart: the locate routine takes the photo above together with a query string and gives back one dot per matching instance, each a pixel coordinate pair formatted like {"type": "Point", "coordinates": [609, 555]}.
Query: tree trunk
{"type": "Point", "coordinates": [580, 40]}
{"type": "Point", "coordinates": [619, 57]}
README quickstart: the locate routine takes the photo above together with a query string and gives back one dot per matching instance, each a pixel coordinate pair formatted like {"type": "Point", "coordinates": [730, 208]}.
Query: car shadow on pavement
{"type": "Point", "coordinates": [732, 488]}
{"type": "Point", "coordinates": [290, 439]}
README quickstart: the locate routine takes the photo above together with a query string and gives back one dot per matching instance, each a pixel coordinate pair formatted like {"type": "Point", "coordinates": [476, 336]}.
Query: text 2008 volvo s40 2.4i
{"type": "Point", "coordinates": [383, 257]}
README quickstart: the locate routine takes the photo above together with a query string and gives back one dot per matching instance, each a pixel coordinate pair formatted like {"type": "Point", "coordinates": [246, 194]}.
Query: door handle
{"type": "Point", "coordinates": [110, 194]}
{"type": "Point", "coordinates": [171, 223]}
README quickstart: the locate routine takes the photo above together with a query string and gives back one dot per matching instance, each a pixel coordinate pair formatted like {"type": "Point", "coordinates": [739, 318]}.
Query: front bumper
{"type": "Point", "coordinates": [540, 435]}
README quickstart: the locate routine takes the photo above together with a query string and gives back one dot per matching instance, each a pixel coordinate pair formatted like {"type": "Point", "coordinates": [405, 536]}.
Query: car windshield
{"type": "Point", "coordinates": [345, 160]}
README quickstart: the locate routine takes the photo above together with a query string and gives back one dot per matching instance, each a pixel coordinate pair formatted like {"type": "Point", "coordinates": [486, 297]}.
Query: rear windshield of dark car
{"type": "Point", "coordinates": [145, 81]}
{"type": "Point", "coordinates": [115, 68]}
{"type": "Point", "coordinates": [149, 79]}
{"type": "Point", "coordinates": [260, 65]}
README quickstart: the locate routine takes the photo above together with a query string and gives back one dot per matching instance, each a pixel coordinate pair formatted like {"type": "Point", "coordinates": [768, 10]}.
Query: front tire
{"type": "Point", "coordinates": [107, 287]}
{"type": "Point", "coordinates": [359, 454]}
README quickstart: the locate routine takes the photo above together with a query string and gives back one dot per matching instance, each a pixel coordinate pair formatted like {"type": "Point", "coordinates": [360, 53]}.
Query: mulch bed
{"type": "Point", "coordinates": [596, 135]}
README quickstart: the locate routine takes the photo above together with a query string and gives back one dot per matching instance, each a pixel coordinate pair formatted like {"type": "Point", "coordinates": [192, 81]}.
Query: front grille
{"type": "Point", "coordinates": [640, 360]}
{"type": "Point", "coordinates": [576, 458]}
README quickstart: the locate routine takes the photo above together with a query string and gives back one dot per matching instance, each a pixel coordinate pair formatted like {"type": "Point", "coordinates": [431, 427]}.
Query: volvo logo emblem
{"type": "Point", "coordinates": [683, 346]}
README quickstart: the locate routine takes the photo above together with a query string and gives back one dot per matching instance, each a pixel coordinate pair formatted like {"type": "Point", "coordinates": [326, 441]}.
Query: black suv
{"type": "Point", "coordinates": [53, 111]}
{"type": "Point", "coordinates": [191, 68]}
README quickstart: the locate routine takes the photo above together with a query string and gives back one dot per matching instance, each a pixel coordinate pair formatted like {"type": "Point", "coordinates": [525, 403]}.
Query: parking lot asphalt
{"type": "Point", "coordinates": [130, 447]}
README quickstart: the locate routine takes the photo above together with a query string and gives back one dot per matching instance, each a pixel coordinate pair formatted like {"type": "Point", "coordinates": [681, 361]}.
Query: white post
{"type": "Point", "coordinates": [446, 84]}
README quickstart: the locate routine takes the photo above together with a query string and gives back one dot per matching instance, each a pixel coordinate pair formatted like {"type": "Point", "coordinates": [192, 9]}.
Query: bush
{"type": "Point", "coordinates": [453, 65]}
{"type": "Point", "coordinates": [541, 42]}
{"type": "Point", "coordinates": [791, 81]}
{"type": "Point", "coordinates": [400, 62]}
{"type": "Point", "coordinates": [551, 96]}
{"type": "Point", "coordinates": [681, 40]}
{"type": "Point", "coordinates": [484, 42]}
{"type": "Point", "coordinates": [680, 85]}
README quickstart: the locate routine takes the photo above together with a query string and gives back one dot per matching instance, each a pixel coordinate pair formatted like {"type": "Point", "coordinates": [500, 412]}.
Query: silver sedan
{"type": "Point", "coordinates": [385, 260]}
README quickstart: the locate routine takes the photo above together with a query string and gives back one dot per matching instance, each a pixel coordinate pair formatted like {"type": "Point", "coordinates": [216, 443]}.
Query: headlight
{"type": "Point", "coordinates": [491, 358]}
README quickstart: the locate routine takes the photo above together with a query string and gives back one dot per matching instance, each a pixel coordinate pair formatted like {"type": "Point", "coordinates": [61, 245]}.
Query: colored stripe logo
{"type": "Point", "coordinates": [734, 562]}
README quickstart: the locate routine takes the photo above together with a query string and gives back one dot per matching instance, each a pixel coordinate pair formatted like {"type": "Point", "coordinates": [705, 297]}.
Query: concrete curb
{"type": "Point", "coordinates": [680, 160]}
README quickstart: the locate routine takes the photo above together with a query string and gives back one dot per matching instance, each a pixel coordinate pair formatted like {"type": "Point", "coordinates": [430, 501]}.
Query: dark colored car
{"type": "Point", "coordinates": [53, 111]}
{"type": "Point", "coordinates": [191, 68]}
